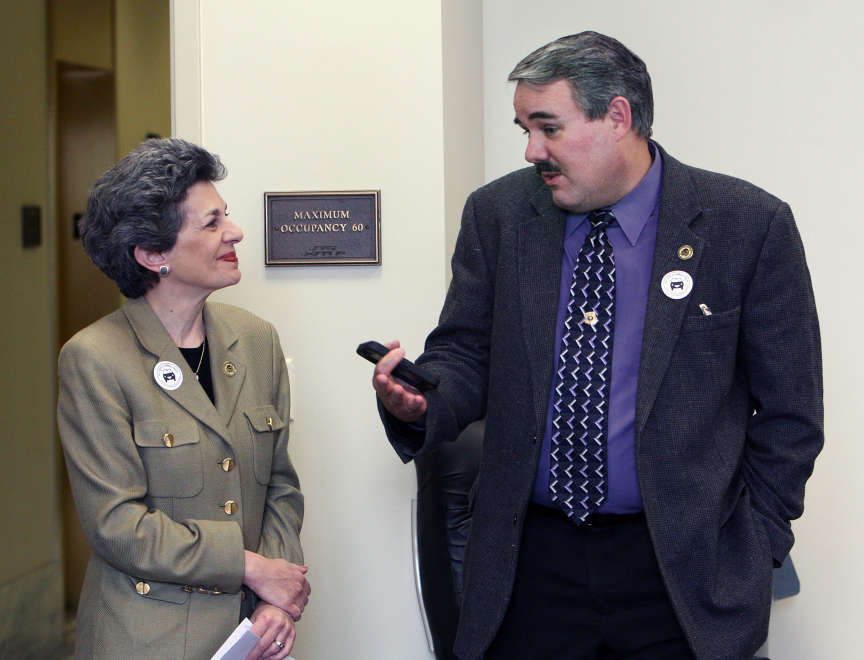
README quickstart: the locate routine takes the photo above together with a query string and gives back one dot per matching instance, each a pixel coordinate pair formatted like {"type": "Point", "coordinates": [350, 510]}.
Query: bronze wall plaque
{"type": "Point", "coordinates": [322, 228]}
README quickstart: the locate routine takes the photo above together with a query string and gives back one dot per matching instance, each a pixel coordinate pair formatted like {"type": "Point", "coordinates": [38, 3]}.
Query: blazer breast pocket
{"type": "Point", "coordinates": [171, 456]}
{"type": "Point", "coordinates": [708, 342]}
{"type": "Point", "coordinates": [714, 321]}
{"type": "Point", "coordinates": [265, 423]}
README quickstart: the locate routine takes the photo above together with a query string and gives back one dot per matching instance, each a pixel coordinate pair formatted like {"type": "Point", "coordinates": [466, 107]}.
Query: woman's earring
{"type": "Point", "coordinates": [164, 269]}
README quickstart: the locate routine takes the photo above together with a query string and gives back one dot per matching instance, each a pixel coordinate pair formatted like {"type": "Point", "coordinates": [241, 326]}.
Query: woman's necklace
{"type": "Point", "coordinates": [201, 359]}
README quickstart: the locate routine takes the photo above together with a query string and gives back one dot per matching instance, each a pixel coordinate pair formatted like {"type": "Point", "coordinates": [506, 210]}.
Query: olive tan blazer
{"type": "Point", "coordinates": [152, 485]}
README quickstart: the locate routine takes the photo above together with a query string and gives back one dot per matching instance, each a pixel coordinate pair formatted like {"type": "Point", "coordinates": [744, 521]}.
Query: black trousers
{"type": "Point", "coordinates": [588, 592]}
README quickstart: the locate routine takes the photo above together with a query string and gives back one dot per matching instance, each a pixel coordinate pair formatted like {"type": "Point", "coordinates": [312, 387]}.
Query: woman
{"type": "Point", "coordinates": [173, 418]}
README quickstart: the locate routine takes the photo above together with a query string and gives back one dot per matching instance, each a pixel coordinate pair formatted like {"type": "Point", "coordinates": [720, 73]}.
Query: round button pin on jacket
{"type": "Point", "coordinates": [676, 284]}
{"type": "Point", "coordinates": [167, 375]}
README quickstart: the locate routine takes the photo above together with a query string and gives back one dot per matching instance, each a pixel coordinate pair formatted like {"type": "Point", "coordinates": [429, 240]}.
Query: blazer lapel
{"type": "Point", "coordinates": [226, 366]}
{"type": "Point", "coordinates": [679, 206]}
{"type": "Point", "coordinates": [155, 340]}
{"type": "Point", "coordinates": [541, 241]}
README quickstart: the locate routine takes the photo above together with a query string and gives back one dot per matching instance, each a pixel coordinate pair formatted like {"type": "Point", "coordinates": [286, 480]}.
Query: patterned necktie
{"type": "Point", "coordinates": [578, 471]}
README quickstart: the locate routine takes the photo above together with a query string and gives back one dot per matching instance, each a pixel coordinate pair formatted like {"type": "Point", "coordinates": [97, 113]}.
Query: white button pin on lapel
{"type": "Point", "coordinates": [168, 375]}
{"type": "Point", "coordinates": [676, 284]}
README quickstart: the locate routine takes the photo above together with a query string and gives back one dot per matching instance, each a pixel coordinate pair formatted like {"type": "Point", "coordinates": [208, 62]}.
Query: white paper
{"type": "Point", "coordinates": [239, 643]}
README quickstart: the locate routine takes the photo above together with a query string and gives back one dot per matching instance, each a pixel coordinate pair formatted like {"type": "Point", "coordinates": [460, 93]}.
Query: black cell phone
{"type": "Point", "coordinates": [405, 371]}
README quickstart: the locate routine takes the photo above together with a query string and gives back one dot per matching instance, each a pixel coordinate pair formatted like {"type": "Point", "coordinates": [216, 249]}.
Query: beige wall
{"type": "Point", "coordinates": [81, 32]}
{"type": "Point", "coordinates": [462, 52]}
{"type": "Point", "coordinates": [30, 573]}
{"type": "Point", "coordinates": [28, 518]}
{"type": "Point", "coordinates": [334, 96]}
{"type": "Point", "coordinates": [131, 37]}
{"type": "Point", "coordinates": [754, 89]}
{"type": "Point", "coordinates": [143, 62]}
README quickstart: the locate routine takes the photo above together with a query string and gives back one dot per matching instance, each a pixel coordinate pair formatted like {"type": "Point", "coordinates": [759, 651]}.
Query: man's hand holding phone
{"type": "Point", "coordinates": [401, 400]}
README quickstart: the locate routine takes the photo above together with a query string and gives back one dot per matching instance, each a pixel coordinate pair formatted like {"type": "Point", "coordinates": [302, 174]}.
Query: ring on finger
{"type": "Point", "coordinates": [280, 644]}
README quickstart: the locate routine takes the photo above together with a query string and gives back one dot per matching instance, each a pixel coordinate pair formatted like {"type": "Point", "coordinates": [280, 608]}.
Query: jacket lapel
{"type": "Point", "coordinates": [679, 206]}
{"type": "Point", "coordinates": [541, 241]}
{"type": "Point", "coordinates": [226, 366]}
{"type": "Point", "coordinates": [155, 340]}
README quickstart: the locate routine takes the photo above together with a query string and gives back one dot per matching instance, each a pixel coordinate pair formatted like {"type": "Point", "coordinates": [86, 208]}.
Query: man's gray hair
{"type": "Point", "coordinates": [138, 202]}
{"type": "Point", "coordinates": [598, 68]}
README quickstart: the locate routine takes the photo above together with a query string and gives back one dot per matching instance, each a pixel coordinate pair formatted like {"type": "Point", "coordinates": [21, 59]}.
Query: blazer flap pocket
{"type": "Point", "coordinates": [164, 591]}
{"type": "Point", "coordinates": [264, 418]}
{"type": "Point", "coordinates": [156, 433]}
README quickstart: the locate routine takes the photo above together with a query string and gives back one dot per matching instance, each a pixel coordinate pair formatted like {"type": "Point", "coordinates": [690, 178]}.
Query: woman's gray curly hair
{"type": "Point", "coordinates": [138, 202]}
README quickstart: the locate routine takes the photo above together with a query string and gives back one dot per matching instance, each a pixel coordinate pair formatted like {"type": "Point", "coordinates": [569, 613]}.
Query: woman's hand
{"type": "Point", "coordinates": [276, 630]}
{"type": "Point", "coordinates": [278, 582]}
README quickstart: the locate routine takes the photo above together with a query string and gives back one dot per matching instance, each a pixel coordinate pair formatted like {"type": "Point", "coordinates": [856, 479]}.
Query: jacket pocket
{"type": "Point", "coordinates": [712, 322]}
{"type": "Point", "coordinates": [172, 457]}
{"type": "Point", "coordinates": [265, 423]}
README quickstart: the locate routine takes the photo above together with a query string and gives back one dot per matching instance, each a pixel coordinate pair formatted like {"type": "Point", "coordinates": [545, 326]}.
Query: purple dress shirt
{"type": "Point", "coordinates": [632, 236]}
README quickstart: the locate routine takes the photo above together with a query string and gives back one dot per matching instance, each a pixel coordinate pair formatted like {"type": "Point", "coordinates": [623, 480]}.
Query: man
{"type": "Point", "coordinates": [631, 507]}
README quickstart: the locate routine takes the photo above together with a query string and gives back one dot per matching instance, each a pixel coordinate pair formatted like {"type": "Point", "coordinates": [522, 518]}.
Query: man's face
{"type": "Point", "coordinates": [578, 158]}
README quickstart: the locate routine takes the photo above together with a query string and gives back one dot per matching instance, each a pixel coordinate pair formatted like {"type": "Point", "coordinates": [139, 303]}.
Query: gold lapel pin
{"type": "Point", "coordinates": [229, 369]}
{"type": "Point", "coordinates": [685, 252]}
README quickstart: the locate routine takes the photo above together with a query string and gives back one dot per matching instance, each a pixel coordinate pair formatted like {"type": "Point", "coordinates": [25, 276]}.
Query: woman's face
{"type": "Point", "coordinates": [203, 258]}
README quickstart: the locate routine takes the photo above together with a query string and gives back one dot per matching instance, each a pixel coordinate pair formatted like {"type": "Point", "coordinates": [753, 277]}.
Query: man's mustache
{"type": "Point", "coordinates": [546, 166]}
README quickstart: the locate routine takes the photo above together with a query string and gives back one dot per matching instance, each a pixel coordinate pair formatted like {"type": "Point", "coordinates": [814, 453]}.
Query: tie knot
{"type": "Point", "coordinates": [600, 219]}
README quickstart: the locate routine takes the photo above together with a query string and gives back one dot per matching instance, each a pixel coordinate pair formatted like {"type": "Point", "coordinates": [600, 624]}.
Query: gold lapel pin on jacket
{"type": "Point", "coordinates": [685, 252]}
{"type": "Point", "coordinates": [229, 369]}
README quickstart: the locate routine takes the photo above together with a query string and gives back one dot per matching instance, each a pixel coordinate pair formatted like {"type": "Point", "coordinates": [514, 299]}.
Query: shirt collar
{"type": "Point", "coordinates": [634, 209]}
